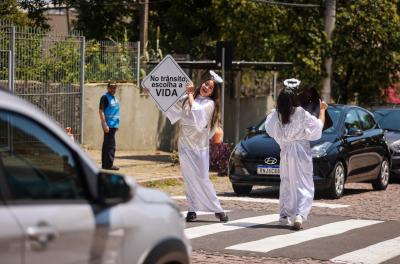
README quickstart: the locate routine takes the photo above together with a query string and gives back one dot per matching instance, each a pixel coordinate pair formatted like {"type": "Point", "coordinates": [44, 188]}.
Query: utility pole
{"type": "Point", "coordinates": [330, 17]}
{"type": "Point", "coordinates": [144, 21]}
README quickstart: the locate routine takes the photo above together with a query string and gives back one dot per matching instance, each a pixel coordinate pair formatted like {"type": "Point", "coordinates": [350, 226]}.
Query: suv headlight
{"type": "Point", "coordinates": [320, 150]}
{"type": "Point", "coordinates": [395, 146]}
{"type": "Point", "coordinates": [239, 150]}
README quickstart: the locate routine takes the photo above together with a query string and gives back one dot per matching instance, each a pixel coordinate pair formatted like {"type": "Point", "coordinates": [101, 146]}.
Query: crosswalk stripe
{"type": "Point", "coordinates": [374, 254]}
{"type": "Point", "coordinates": [205, 230]}
{"type": "Point", "coordinates": [266, 200]}
{"type": "Point", "coordinates": [280, 241]}
{"type": "Point", "coordinates": [203, 213]}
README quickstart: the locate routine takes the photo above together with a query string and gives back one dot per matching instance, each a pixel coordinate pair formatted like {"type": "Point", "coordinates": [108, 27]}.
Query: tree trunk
{"type": "Point", "coordinates": [330, 14]}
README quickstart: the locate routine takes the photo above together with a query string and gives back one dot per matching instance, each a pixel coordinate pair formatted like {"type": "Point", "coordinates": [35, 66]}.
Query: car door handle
{"type": "Point", "coordinates": [41, 235]}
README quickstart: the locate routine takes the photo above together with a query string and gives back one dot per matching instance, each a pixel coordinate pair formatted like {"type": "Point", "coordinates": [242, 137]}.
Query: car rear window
{"type": "Point", "coordinates": [390, 120]}
{"type": "Point", "coordinates": [334, 113]}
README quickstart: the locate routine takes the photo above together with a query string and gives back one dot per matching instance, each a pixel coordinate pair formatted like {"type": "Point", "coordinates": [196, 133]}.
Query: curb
{"type": "Point", "coordinates": [160, 180]}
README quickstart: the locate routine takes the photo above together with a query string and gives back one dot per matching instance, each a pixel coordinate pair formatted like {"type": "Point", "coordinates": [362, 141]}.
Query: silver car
{"type": "Point", "coordinates": [56, 206]}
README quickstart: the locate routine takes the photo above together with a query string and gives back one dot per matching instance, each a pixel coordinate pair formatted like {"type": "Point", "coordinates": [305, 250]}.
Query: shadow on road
{"type": "Point", "coordinates": [155, 158]}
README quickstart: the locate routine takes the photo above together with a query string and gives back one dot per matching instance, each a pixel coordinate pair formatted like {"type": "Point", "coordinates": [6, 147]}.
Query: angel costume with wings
{"type": "Point", "coordinates": [296, 192]}
{"type": "Point", "coordinates": [193, 148]}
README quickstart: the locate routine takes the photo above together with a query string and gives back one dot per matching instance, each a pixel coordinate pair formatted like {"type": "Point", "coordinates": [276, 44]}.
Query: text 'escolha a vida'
{"type": "Point", "coordinates": [165, 85]}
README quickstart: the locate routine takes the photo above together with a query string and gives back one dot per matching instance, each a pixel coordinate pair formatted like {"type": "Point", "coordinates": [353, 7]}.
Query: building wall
{"type": "Point", "coordinates": [57, 19]}
{"type": "Point", "coordinates": [144, 127]}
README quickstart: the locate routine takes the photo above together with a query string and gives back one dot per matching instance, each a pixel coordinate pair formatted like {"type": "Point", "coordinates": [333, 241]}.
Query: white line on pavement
{"type": "Point", "coordinates": [281, 241]}
{"type": "Point", "coordinates": [203, 213]}
{"type": "Point", "coordinates": [374, 254]}
{"type": "Point", "coordinates": [265, 200]}
{"type": "Point", "coordinates": [205, 230]}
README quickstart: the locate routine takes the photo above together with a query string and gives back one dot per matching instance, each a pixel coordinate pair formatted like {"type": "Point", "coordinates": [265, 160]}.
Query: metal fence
{"type": "Point", "coordinates": [45, 70]}
{"type": "Point", "coordinates": [49, 70]}
{"type": "Point", "coordinates": [109, 60]}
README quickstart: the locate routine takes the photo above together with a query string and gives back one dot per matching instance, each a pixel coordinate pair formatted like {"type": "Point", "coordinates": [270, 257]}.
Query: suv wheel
{"type": "Point", "coordinates": [338, 177]}
{"type": "Point", "coordinates": [242, 189]}
{"type": "Point", "coordinates": [382, 181]}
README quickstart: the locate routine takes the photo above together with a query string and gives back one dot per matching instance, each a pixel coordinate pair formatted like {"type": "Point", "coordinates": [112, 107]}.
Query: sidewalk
{"type": "Point", "coordinates": [144, 166]}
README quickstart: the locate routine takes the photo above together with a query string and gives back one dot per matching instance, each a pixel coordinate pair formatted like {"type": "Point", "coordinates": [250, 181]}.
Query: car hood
{"type": "Point", "coordinates": [392, 136]}
{"type": "Point", "coordinates": [325, 138]}
{"type": "Point", "coordinates": [262, 145]}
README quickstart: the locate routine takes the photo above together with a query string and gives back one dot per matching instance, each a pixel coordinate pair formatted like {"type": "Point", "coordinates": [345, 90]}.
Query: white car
{"type": "Point", "coordinates": [57, 206]}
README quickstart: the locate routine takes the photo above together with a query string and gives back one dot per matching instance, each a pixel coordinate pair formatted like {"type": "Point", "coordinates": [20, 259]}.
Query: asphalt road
{"type": "Point", "coordinates": [333, 238]}
{"type": "Point", "coordinates": [361, 227]}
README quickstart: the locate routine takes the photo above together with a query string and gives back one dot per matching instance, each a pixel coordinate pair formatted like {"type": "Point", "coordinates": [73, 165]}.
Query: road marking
{"type": "Point", "coordinates": [203, 213]}
{"type": "Point", "coordinates": [280, 241]}
{"type": "Point", "coordinates": [373, 254]}
{"type": "Point", "coordinates": [205, 230]}
{"type": "Point", "coordinates": [265, 200]}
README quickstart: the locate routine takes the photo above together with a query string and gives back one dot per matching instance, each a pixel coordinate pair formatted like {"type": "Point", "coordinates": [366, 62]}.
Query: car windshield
{"type": "Point", "coordinates": [334, 113]}
{"type": "Point", "coordinates": [389, 120]}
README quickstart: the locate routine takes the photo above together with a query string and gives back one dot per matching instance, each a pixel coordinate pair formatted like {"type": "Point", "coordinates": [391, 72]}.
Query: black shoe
{"type": "Point", "coordinates": [112, 168]}
{"type": "Point", "coordinates": [222, 217]}
{"type": "Point", "coordinates": [191, 217]}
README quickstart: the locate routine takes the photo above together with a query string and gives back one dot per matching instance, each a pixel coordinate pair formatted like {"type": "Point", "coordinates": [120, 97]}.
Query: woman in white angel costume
{"type": "Point", "coordinates": [199, 114]}
{"type": "Point", "coordinates": [293, 128]}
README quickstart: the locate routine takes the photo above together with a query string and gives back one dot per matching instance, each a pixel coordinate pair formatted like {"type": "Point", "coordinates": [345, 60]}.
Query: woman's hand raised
{"type": "Point", "coordinates": [189, 88]}
{"type": "Point", "coordinates": [323, 105]}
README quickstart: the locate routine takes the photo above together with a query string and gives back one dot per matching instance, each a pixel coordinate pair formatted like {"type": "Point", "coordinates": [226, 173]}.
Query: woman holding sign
{"type": "Point", "coordinates": [292, 127]}
{"type": "Point", "coordinates": [199, 114]}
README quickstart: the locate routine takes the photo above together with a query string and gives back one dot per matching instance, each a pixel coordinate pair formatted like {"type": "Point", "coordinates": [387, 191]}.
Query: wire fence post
{"type": "Point", "coordinates": [10, 70]}
{"type": "Point", "coordinates": [82, 83]}
{"type": "Point", "coordinates": [138, 65]}
{"type": "Point", "coordinates": [12, 60]}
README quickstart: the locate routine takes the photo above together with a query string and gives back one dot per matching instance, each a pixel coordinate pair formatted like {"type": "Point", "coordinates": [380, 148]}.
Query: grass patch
{"type": "Point", "coordinates": [214, 178]}
{"type": "Point", "coordinates": [164, 183]}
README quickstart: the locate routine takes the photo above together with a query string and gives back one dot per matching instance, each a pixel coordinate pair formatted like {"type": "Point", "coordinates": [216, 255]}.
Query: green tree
{"type": "Point", "coordinates": [107, 19]}
{"type": "Point", "coordinates": [365, 48]}
{"type": "Point", "coordinates": [9, 11]}
{"type": "Point", "coordinates": [35, 9]}
{"type": "Point", "coordinates": [365, 45]}
{"type": "Point", "coordinates": [186, 27]}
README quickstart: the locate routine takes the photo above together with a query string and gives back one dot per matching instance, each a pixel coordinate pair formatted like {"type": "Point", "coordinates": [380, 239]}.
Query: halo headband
{"type": "Point", "coordinates": [216, 77]}
{"type": "Point", "coordinates": [291, 83]}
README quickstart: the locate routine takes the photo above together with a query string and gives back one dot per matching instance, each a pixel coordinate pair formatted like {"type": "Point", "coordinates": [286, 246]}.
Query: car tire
{"type": "Point", "coordinates": [242, 189]}
{"type": "Point", "coordinates": [382, 181]}
{"type": "Point", "coordinates": [338, 178]}
{"type": "Point", "coordinates": [169, 251]}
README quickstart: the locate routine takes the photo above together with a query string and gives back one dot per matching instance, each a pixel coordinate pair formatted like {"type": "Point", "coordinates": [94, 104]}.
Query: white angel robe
{"type": "Point", "coordinates": [193, 148]}
{"type": "Point", "coordinates": [296, 192]}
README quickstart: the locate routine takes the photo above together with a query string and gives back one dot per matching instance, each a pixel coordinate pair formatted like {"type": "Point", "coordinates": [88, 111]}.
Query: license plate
{"type": "Point", "coordinates": [268, 170]}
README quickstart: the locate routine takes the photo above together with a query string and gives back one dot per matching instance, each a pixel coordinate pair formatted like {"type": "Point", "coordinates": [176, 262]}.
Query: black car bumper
{"type": "Point", "coordinates": [241, 173]}
{"type": "Point", "coordinates": [320, 183]}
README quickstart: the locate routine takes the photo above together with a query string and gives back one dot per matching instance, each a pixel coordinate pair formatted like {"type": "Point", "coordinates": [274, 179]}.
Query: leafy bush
{"type": "Point", "coordinates": [219, 157]}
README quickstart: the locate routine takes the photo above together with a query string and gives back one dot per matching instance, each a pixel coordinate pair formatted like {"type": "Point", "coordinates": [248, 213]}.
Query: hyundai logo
{"type": "Point", "coordinates": [270, 161]}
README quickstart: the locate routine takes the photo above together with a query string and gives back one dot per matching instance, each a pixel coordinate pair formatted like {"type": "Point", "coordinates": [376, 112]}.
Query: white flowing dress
{"type": "Point", "coordinates": [296, 192]}
{"type": "Point", "coordinates": [193, 148]}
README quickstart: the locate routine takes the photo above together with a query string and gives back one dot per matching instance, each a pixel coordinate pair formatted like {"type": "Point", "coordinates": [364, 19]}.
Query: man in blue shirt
{"type": "Point", "coordinates": [109, 116]}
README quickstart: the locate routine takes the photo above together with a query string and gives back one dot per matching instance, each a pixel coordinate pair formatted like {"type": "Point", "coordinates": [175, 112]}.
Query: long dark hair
{"type": "Point", "coordinates": [216, 116]}
{"type": "Point", "coordinates": [287, 103]}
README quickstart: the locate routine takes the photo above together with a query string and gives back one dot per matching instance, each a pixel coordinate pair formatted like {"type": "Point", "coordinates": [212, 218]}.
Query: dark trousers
{"type": "Point", "coordinates": [108, 149]}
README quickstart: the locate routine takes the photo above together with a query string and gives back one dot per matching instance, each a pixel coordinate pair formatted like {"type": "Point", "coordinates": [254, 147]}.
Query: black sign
{"type": "Point", "coordinates": [309, 99]}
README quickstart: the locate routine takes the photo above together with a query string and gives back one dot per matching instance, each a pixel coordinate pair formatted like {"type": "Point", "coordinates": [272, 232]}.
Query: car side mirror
{"type": "Point", "coordinates": [113, 189]}
{"type": "Point", "coordinates": [354, 132]}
